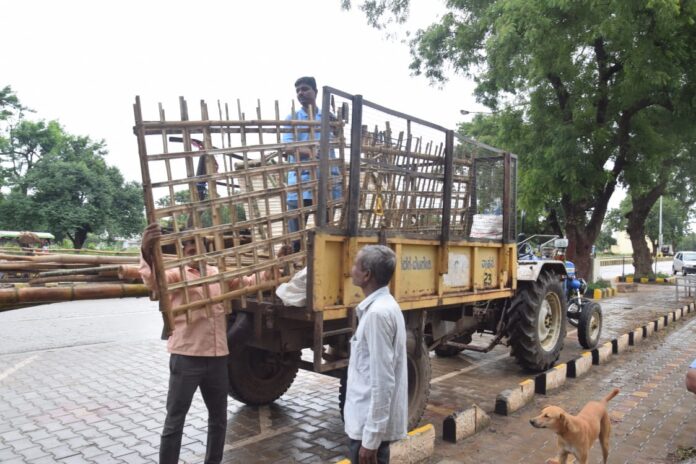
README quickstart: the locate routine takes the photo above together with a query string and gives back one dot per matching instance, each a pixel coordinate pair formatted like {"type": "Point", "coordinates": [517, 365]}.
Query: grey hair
{"type": "Point", "coordinates": [379, 260]}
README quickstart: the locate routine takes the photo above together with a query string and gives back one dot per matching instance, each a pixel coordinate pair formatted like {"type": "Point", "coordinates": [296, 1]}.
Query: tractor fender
{"type": "Point", "coordinates": [529, 271]}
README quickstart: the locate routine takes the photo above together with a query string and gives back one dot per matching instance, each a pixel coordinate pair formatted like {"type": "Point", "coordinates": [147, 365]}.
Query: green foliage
{"type": "Point", "coordinates": [607, 92]}
{"type": "Point", "coordinates": [687, 242]}
{"type": "Point", "coordinates": [58, 182]}
{"type": "Point", "coordinates": [605, 241]}
{"type": "Point", "coordinates": [675, 219]}
{"type": "Point", "coordinates": [601, 283]}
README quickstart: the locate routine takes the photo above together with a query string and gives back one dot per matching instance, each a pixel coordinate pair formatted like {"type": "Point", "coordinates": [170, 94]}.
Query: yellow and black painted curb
{"type": "Point", "coordinates": [509, 401]}
{"type": "Point", "coordinates": [417, 447]}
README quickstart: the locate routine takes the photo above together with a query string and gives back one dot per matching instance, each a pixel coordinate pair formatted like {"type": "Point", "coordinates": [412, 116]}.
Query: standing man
{"type": "Point", "coordinates": [376, 407]}
{"type": "Point", "coordinates": [306, 91]}
{"type": "Point", "coordinates": [198, 356]}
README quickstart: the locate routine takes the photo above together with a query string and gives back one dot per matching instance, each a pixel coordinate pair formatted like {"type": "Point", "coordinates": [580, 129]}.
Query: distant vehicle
{"type": "Point", "coordinates": [667, 250]}
{"type": "Point", "coordinates": [684, 262]}
{"type": "Point", "coordinates": [25, 238]}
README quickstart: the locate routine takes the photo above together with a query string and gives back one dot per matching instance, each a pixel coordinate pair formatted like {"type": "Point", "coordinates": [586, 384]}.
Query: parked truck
{"type": "Point", "coordinates": [445, 204]}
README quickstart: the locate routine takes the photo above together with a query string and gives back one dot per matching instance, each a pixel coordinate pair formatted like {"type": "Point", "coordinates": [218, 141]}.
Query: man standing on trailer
{"type": "Point", "coordinates": [306, 91]}
{"type": "Point", "coordinates": [376, 406]}
{"type": "Point", "coordinates": [198, 356]}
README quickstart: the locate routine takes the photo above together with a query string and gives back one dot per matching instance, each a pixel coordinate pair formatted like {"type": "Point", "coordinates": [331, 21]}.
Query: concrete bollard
{"type": "Point", "coordinates": [417, 447]}
{"type": "Point", "coordinates": [465, 423]}
{"type": "Point", "coordinates": [635, 337]}
{"type": "Point", "coordinates": [509, 401]}
{"type": "Point", "coordinates": [602, 354]}
{"type": "Point", "coordinates": [597, 294]}
{"type": "Point", "coordinates": [579, 366]}
{"type": "Point", "coordinates": [551, 379]}
{"type": "Point", "coordinates": [620, 344]}
{"type": "Point", "coordinates": [659, 323]}
{"type": "Point", "coordinates": [649, 328]}
{"type": "Point", "coordinates": [677, 314]}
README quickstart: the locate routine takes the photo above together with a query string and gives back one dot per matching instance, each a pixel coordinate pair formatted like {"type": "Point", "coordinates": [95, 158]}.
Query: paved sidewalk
{"type": "Point", "coordinates": [652, 417]}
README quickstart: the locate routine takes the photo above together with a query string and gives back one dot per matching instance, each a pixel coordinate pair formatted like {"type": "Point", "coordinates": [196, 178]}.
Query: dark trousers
{"type": "Point", "coordinates": [354, 452]}
{"type": "Point", "coordinates": [186, 375]}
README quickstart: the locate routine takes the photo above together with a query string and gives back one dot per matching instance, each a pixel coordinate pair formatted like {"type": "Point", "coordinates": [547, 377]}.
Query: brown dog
{"type": "Point", "coordinates": [577, 434]}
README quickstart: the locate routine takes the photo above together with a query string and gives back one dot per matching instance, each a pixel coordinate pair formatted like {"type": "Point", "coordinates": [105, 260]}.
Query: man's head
{"type": "Point", "coordinates": [306, 90]}
{"type": "Point", "coordinates": [374, 266]}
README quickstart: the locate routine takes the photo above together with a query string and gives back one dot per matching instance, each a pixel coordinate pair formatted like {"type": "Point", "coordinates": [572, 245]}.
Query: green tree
{"type": "Point", "coordinates": [587, 72]}
{"type": "Point", "coordinates": [78, 193]}
{"type": "Point", "coordinates": [675, 219]}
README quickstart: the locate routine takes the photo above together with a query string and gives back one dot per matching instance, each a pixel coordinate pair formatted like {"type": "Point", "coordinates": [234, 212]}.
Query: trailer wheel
{"type": "Point", "coordinates": [419, 373]}
{"type": "Point", "coordinates": [538, 335]}
{"type": "Point", "coordinates": [258, 377]}
{"type": "Point", "coordinates": [590, 325]}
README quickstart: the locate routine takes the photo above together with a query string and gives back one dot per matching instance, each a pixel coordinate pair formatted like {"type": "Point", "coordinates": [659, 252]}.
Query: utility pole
{"type": "Point", "coordinates": [659, 234]}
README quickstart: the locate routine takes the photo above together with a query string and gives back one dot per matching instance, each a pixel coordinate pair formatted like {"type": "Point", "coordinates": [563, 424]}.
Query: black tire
{"type": "Point", "coordinates": [258, 377]}
{"type": "Point", "coordinates": [538, 334]}
{"type": "Point", "coordinates": [447, 351]}
{"type": "Point", "coordinates": [674, 271]}
{"type": "Point", "coordinates": [573, 312]}
{"type": "Point", "coordinates": [342, 388]}
{"type": "Point", "coordinates": [590, 326]}
{"type": "Point", "coordinates": [419, 373]}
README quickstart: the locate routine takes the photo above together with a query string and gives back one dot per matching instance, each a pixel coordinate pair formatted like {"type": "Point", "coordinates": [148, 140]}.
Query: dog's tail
{"type": "Point", "coordinates": [613, 393]}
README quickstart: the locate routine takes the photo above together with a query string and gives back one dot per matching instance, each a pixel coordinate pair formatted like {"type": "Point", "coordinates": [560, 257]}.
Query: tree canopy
{"type": "Point", "coordinates": [58, 182]}
{"type": "Point", "coordinates": [577, 85]}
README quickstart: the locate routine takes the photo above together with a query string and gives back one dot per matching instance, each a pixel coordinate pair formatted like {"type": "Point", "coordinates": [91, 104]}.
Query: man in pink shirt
{"type": "Point", "coordinates": [198, 356]}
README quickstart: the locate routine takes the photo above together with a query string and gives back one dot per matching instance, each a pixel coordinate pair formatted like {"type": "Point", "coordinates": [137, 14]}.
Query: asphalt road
{"type": "Point", "coordinates": [77, 323]}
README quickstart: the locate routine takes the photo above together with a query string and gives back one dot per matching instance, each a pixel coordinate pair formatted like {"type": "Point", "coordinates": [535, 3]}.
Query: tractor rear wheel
{"type": "Point", "coordinates": [537, 336]}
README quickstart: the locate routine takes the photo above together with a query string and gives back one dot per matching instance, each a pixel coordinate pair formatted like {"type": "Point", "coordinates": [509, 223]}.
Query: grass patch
{"type": "Point", "coordinates": [601, 283]}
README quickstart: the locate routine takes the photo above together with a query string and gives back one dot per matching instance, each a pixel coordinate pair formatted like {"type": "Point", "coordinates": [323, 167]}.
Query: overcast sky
{"type": "Point", "coordinates": [83, 62]}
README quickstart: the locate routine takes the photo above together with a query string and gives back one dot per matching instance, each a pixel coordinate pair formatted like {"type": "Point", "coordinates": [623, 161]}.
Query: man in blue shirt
{"type": "Point", "coordinates": [376, 407]}
{"type": "Point", "coordinates": [306, 90]}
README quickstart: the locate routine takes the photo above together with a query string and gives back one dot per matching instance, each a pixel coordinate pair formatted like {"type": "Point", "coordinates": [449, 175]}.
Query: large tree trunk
{"type": "Point", "coordinates": [79, 238]}
{"type": "Point", "coordinates": [642, 261]}
{"type": "Point", "coordinates": [582, 233]}
{"type": "Point", "coordinates": [580, 241]}
{"type": "Point", "coordinates": [640, 208]}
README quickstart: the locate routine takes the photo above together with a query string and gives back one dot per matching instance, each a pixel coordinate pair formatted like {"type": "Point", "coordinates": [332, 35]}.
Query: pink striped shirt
{"type": "Point", "coordinates": [203, 335]}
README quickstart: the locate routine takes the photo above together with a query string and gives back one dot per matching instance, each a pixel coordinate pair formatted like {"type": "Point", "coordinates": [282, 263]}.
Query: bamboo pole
{"type": "Point", "coordinates": [78, 292]}
{"type": "Point", "coordinates": [73, 259]}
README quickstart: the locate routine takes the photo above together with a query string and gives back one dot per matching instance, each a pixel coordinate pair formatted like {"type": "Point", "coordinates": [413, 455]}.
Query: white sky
{"type": "Point", "coordinates": [83, 62]}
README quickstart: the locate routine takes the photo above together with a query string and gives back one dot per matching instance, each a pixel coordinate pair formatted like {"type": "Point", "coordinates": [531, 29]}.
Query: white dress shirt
{"type": "Point", "coordinates": [376, 407]}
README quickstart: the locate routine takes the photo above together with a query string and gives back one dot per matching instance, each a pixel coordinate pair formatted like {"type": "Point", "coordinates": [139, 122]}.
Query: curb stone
{"type": "Point", "coordinates": [418, 447]}
{"type": "Point", "coordinates": [465, 423]}
{"type": "Point", "coordinates": [551, 379]}
{"type": "Point", "coordinates": [580, 366]}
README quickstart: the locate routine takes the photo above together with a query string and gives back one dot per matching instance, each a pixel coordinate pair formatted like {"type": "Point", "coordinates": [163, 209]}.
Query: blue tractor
{"type": "Point", "coordinates": [537, 251]}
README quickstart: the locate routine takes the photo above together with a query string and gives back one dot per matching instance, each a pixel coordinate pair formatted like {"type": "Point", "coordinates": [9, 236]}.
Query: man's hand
{"type": "Point", "coordinates": [367, 456]}
{"type": "Point", "coordinates": [151, 236]}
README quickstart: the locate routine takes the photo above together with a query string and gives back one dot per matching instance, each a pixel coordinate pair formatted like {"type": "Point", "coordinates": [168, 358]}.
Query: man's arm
{"type": "Point", "coordinates": [379, 334]}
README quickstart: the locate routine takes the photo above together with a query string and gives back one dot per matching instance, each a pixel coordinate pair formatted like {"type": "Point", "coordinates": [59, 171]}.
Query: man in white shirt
{"type": "Point", "coordinates": [376, 407]}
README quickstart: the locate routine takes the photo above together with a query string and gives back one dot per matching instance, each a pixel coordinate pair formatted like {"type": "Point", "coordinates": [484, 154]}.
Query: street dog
{"type": "Point", "coordinates": [577, 434]}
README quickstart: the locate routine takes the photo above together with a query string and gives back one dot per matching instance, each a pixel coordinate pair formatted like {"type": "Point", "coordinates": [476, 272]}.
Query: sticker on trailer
{"type": "Point", "coordinates": [458, 275]}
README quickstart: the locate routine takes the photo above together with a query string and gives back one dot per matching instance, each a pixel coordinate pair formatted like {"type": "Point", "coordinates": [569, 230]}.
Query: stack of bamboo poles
{"type": "Point", "coordinates": [28, 279]}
